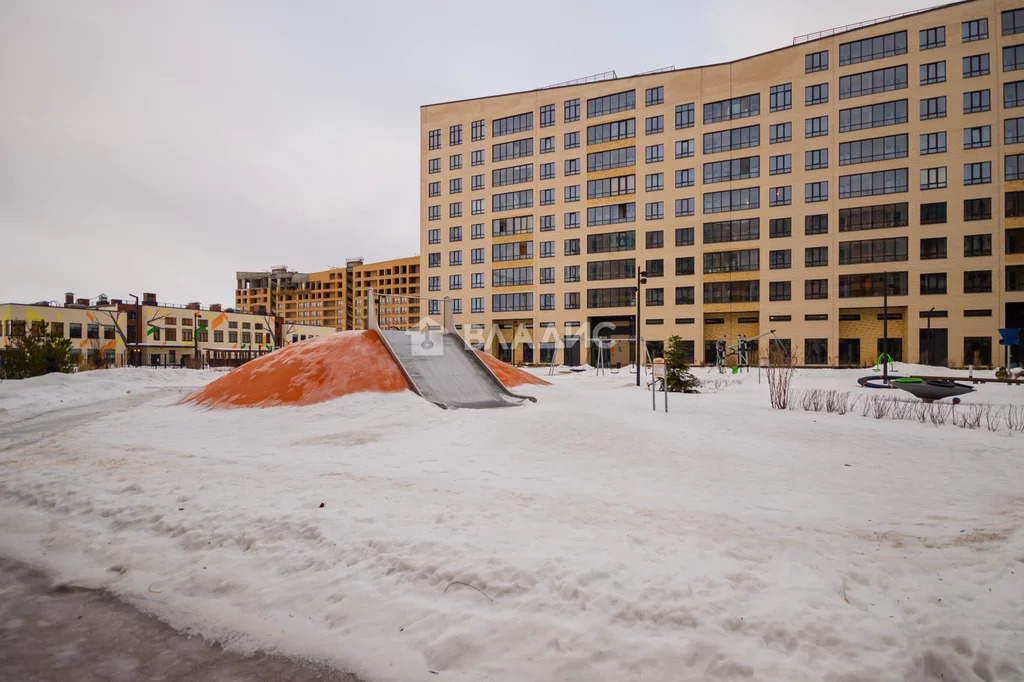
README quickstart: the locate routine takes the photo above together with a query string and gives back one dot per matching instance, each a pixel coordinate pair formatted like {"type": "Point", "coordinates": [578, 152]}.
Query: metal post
{"type": "Point", "coordinates": [885, 327]}
{"type": "Point", "coordinates": [640, 275]}
{"type": "Point", "coordinates": [931, 343]}
{"type": "Point", "coordinates": [138, 329]}
{"type": "Point", "coordinates": [195, 339]}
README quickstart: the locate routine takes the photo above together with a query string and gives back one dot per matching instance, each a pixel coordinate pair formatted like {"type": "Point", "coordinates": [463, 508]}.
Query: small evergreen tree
{"type": "Point", "coordinates": [678, 377]}
{"type": "Point", "coordinates": [32, 355]}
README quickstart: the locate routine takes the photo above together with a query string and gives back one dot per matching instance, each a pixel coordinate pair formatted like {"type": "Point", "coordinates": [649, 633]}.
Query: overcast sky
{"type": "Point", "coordinates": [161, 146]}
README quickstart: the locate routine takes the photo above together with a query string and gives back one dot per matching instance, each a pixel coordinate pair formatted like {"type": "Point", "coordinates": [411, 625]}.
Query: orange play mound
{"type": "Point", "coordinates": [321, 369]}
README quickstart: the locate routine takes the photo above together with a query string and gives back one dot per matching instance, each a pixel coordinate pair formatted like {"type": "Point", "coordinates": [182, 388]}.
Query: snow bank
{"type": "Point", "coordinates": [721, 541]}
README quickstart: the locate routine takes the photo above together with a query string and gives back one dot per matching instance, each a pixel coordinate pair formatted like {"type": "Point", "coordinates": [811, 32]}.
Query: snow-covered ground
{"type": "Point", "coordinates": [604, 540]}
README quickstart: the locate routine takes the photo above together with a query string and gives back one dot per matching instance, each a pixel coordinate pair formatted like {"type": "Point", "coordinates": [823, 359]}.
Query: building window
{"type": "Point", "coordinates": [732, 231]}
{"type": "Point", "coordinates": [736, 138]}
{"type": "Point", "coordinates": [655, 239]}
{"type": "Point", "coordinates": [684, 207]}
{"type": "Point", "coordinates": [733, 169]}
{"type": "Point", "coordinates": [477, 304]}
{"type": "Point", "coordinates": [684, 236]}
{"type": "Point", "coordinates": [976, 65]}
{"type": "Point", "coordinates": [870, 82]}
{"type": "Point", "coordinates": [781, 259]}
{"type": "Point", "coordinates": [815, 159]}
{"type": "Point", "coordinates": [434, 139]}
{"type": "Point", "coordinates": [977, 209]}
{"type": "Point", "coordinates": [454, 281]}
{"type": "Point", "coordinates": [477, 231]}
{"type": "Point", "coordinates": [433, 213]}
{"type": "Point", "coordinates": [655, 297]}
{"type": "Point", "coordinates": [572, 140]}
{"type": "Point", "coordinates": [730, 109]}
{"type": "Point", "coordinates": [815, 351]}
{"type": "Point", "coordinates": [977, 245]}
{"type": "Point", "coordinates": [571, 220]}
{"type": "Point", "coordinates": [732, 200]}
{"type": "Point", "coordinates": [547, 223]}
{"type": "Point", "coordinates": [455, 209]}
{"type": "Point", "coordinates": [780, 97]}
{"type": "Point", "coordinates": [572, 110]}
{"type": "Point", "coordinates": [933, 248]}
{"type": "Point", "coordinates": [655, 96]}
{"type": "Point", "coordinates": [572, 193]}
{"type": "Point", "coordinates": [978, 351]}
{"type": "Point", "coordinates": [780, 227]}
{"type": "Point", "coordinates": [873, 251]}
{"type": "Point", "coordinates": [455, 234]}
{"type": "Point", "coordinates": [1014, 167]}
{"type": "Point", "coordinates": [779, 165]}
{"type": "Point", "coordinates": [868, 49]}
{"type": "Point", "coordinates": [976, 29]}
{"type": "Point", "coordinates": [547, 144]}
{"type": "Point", "coordinates": [654, 182]}
{"type": "Point", "coordinates": [978, 173]}
{"type": "Point", "coordinates": [611, 104]}
{"type": "Point", "coordinates": [684, 148]}
{"type": "Point", "coordinates": [977, 281]}
{"type": "Point", "coordinates": [455, 186]}
{"type": "Point", "coordinates": [434, 189]}
{"type": "Point", "coordinates": [477, 280]}
{"type": "Point", "coordinates": [1013, 58]}
{"type": "Point", "coordinates": [684, 296]}
{"type": "Point", "coordinates": [547, 115]}
{"type": "Point", "coordinates": [547, 301]}
{"type": "Point", "coordinates": [685, 177]}
{"type": "Point", "coordinates": [547, 171]}
{"type": "Point", "coordinates": [933, 178]}
{"type": "Point", "coordinates": [979, 136]}
{"type": "Point", "coordinates": [654, 125]}
{"type": "Point", "coordinates": [434, 260]}
{"type": "Point", "coordinates": [933, 107]}
{"type": "Point", "coordinates": [815, 289]}
{"type": "Point", "coordinates": [977, 101]}
{"type": "Point", "coordinates": [547, 197]}
{"type": "Point", "coordinates": [816, 224]}
{"type": "Point", "coordinates": [547, 249]}
{"type": "Point", "coordinates": [614, 213]}
{"type": "Point", "coordinates": [780, 291]}
{"type": "Point", "coordinates": [454, 135]}
{"type": "Point", "coordinates": [685, 265]}
{"type": "Point", "coordinates": [654, 210]}
{"type": "Point", "coordinates": [684, 116]}
{"type": "Point", "coordinates": [780, 196]}
{"type": "Point", "coordinates": [434, 165]}
{"type": "Point", "coordinates": [572, 273]}
{"type": "Point", "coordinates": [1013, 130]}
{"type": "Point", "coordinates": [515, 149]}
{"type": "Point", "coordinates": [933, 73]}
{"type": "Point", "coordinates": [512, 124]}
{"type": "Point", "coordinates": [816, 94]}
{"type": "Point", "coordinates": [477, 157]}
{"type": "Point", "coordinates": [816, 256]}
{"type": "Point", "coordinates": [477, 255]}
{"type": "Point", "coordinates": [932, 38]}
{"type": "Point", "coordinates": [873, 116]}
{"type": "Point", "coordinates": [816, 191]}
{"type": "Point", "coordinates": [816, 127]}
{"type": "Point", "coordinates": [816, 61]}
{"type": "Point", "coordinates": [1013, 21]}
{"type": "Point", "coordinates": [455, 257]}
{"type": "Point", "coordinates": [654, 153]}
{"type": "Point", "coordinates": [1015, 240]}
{"type": "Point", "coordinates": [933, 143]}
{"type": "Point", "coordinates": [455, 162]}
{"type": "Point", "coordinates": [609, 132]}
{"type": "Point", "coordinates": [1013, 94]}
{"type": "Point", "coordinates": [934, 213]}
{"type": "Point", "coordinates": [478, 129]}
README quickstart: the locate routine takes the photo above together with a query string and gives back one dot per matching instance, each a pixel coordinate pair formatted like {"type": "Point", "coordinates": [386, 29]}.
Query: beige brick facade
{"type": "Point", "coordinates": [906, 77]}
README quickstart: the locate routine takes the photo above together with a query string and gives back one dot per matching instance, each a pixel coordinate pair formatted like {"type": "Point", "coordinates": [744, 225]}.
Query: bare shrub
{"type": "Point", "coordinates": [780, 379]}
{"type": "Point", "coordinates": [881, 408]}
{"type": "Point", "coordinates": [993, 419]}
{"type": "Point", "coordinates": [902, 409]}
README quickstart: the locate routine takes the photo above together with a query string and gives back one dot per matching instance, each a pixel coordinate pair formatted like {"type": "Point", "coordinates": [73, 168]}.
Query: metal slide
{"type": "Point", "coordinates": [442, 367]}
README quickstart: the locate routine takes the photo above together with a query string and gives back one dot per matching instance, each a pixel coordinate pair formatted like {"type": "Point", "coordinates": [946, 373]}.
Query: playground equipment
{"type": "Point", "coordinates": [741, 349]}
{"type": "Point", "coordinates": [926, 389]}
{"type": "Point", "coordinates": [440, 365]}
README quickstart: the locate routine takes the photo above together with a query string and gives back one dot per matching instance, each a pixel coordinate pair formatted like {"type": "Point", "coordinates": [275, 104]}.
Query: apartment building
{"type": "Point", "coordinates": [336, 297]}
{"type": "Point", "coordinates": [786, 191]}
{"type": "Point", "coordinates": [151, 333]}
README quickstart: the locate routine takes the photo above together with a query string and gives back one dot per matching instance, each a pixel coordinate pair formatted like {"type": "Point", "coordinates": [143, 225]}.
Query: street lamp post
{"type": "Point", "coordinates": [931, 343]}
{"type": "Point", "coordinates": [641, 278]}
{"type": "Point", "coordinates": [138, 330]}
{"type": "Point", "coordinates": [885, 327]}
{"type": "Point", "coordinates": [195, 338]}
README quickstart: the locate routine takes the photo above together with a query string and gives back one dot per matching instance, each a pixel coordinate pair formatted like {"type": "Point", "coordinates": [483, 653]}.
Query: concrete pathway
{"type": "Point", "coordinates": [84, 635]}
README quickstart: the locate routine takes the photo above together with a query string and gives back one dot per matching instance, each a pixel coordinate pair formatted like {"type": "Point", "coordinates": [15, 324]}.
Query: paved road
{"type": "Point", "coordinates": [79, 635]}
